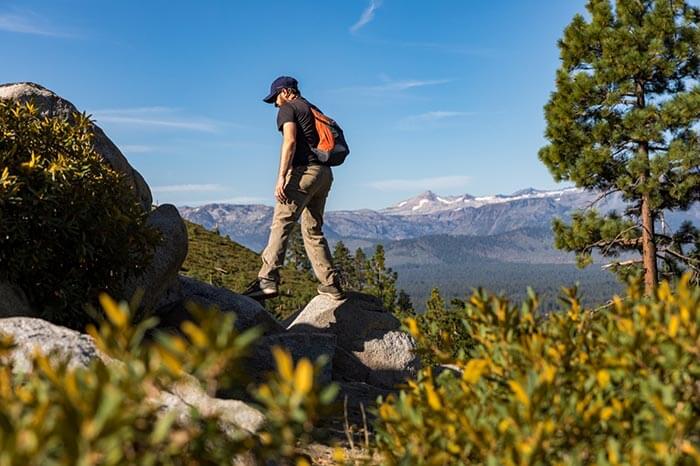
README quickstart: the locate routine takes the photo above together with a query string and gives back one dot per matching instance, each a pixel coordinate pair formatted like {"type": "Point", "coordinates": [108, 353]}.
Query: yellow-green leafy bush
{"type": "Point", "coordinates": [101, 414]}
{"type": "Point", "coordinates": [69, 224]}
{"type": "Point", "coordinates": [443, 336]}
{"type": "Point", "coordinates": [293, 402]}
{"type": "Point", "coordinates": [619, 385]}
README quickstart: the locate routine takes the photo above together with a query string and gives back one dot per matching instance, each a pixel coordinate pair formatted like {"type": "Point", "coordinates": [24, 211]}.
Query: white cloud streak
{"type": "Point", "coordinates": [422, 184]}
{"type": "Point", "coordinates": [399, 86]}
{"type": "Point", "coordinates": [430, 119]}
{"type": "Point", "coordinates": [194, 126]}
{"type": "Point", "coordinates": [157, 117]}
{"type": "Point", "coordinates": [137, 149]}
{"type": "Point", "coordinates": [28, 23]}
{"type": "Point", "coordinates": [189, 188]}
{"type": "Point", "coordinates": [367, 16]}
{"type": "Point", "coordinates": [138, 110]}
{"type": "Point", "coordinates": [394, 87]}
{"type": "Point", "coordinates": [230, 200]}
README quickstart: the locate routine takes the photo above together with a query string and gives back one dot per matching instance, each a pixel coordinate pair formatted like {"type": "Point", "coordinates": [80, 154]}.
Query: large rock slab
{"type": "Point", "coordinates": [300, 345]}
{"type": "Point", "coordinates": [162, 272]}
{"type": "Point", "coordinates": [236, 417]}
{"type": "Point", "coordinates": [50, 104]}
{"type": "Point", "coordinates": [172, 309]}
{"type": "Point", "coordinates": [30, 335]}
{"type": "Point", "coordinates": [13, 302]}
{"type": "Point", "coordinates": [370, 337]}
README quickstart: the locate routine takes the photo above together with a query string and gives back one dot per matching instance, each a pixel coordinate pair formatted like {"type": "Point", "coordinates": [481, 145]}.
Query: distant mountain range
{"type": "Point", "coordinates": [501, 242]}
{"type": "Point", "coordinates": [424, 215]}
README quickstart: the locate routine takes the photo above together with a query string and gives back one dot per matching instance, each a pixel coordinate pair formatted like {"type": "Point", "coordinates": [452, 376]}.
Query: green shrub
{"type": "Point", "coordinates": [70, 226]}
{"type": "Point", "coordinates": [99, 415]}
{"type": "Point", "coordinates": [442, 336]}
{"type": "Point", "coordinates": [613, 386]}
{"type": "Point", "coordinates": [217, 260]}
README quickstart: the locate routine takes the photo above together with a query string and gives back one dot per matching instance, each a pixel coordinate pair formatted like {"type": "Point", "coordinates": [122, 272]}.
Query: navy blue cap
{"type": "Point", "coordinates": [283, 82]}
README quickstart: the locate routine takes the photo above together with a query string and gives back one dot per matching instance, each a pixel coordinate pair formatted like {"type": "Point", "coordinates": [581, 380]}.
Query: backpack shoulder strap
{"type": "Point", "coordinates": [320, 116]}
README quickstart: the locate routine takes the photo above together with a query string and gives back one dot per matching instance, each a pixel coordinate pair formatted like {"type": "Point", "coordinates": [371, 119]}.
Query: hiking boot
{"type": "Point", "coordinates": [261, 288]}
{"type": "Point", "coordinates": [332, 291]}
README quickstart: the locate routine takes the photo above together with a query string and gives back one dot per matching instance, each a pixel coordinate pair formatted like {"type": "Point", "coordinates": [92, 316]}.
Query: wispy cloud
{"type": "Point", "coordinates": [137, 148]}
{"type": "Point", "coordinates": [158, 117]}
{"type": "Point", "coordinates": [430, 119]}
{"type": "Point", "coordinates": [407, 84]}
{"type": "Point", "coordinates": [230, 200]}
{"type": "Point", "coordinates": [367, 15]}
{"type": "Point", "coordinates": [189, 188]}
{"type": "Point", "coordinates": [205, 127]}
{"type": "Point", "coordinates": [394, 86]}
{"type": "Point", "coordinates": [138, 110]}
{"type": "Point", "coordinates": [27, 22]}
{"type": "Point", "coordinates": [422, 184]}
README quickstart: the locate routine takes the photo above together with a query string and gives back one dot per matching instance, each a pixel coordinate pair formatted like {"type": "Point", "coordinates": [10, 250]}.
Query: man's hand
{"type": "Point", "coordinates": [280, 195]}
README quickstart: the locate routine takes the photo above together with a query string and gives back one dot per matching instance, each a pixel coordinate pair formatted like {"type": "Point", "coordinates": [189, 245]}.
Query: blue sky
{"type": "Point", "coordinates": [443, 95]}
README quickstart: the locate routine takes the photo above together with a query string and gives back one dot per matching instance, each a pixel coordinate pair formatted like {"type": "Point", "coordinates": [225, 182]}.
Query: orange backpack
{"type": "Point", "coordinates": [332, 149]}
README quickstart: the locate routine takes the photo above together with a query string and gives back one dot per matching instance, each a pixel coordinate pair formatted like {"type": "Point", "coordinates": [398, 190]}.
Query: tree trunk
{"type": "Point", "coordinates": [648, 239]}
{"type": "Point", "coordinates": [648, 247]}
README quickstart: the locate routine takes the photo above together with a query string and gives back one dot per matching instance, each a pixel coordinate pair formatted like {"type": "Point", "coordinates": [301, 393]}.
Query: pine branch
{"type": "Point", "coordinates": [689, 261]}
{"type": "Point", "coordinates": [621, 264]}
{"type": "Point", "coordinates": [601, 197]}
{"type": "Point", "coordinates": [663, 239]}
{"type": "Point", "coordinates": [605, 246]}
{"type": "Point", "coordinates": [623, 148]}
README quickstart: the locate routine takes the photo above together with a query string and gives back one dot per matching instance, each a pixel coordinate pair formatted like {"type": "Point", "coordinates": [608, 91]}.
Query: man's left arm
{"type": "Point", "coordinates": [289, 142]}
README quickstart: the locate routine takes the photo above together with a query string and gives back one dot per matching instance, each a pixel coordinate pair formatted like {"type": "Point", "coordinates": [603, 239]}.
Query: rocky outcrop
{"type": "Point", "coordinates": [236, 416]}
{"type": "Point", "coordinates": [172, 309]}
{"type": "Point", "coordinates": [32, 335]}
{"type": "Point", "coordinates": [50, 104]}
{"type": "Point", "coordinates": [162, 272]}
{"type": "Point", "coordinates": [300, 345]}
{"type": "Point", "coordinates": [371, 346]}
{"type": "Point", "coordinates": [79, 350]}
{"type": "Point", "coordinates": [360, 340]}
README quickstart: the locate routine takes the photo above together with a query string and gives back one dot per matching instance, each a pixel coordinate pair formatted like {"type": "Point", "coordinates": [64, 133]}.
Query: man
{"type": "Point", "coordinates": [301, 191]}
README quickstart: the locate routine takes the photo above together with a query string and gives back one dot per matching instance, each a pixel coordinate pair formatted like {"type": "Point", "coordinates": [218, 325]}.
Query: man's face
{"type": "Point", "coordinates": [279, 100]}
{"type": "Point", "coordinates": [284, 96]}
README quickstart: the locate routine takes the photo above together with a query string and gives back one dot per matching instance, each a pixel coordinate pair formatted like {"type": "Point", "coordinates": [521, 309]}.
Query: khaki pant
{"type": "Point", "coordinates": [307, 189]}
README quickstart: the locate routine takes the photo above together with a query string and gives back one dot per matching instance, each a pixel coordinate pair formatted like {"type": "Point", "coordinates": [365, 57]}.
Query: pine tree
{"type": "Point", "coordinates": [623, 119]}
{"type": "Point", "coordinates": [381, 281]}
{"type": "Point", "coordinates": [345, 265]}
{"type": "Point", "coordinates": [435, 303]}
{"type": "Point", "coordinates": [296, 252]}
{"type": "Point", "coordinates": [404, 304]}
{"type": "Point", "coordinates": [361, 264]}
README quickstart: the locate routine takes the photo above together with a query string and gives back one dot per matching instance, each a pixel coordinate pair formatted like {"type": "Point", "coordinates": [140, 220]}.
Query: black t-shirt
{"type": "Point", "coordinates": [298, 111]}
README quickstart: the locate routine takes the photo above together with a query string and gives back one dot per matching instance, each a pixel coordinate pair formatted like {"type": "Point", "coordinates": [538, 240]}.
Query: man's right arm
{"type": "Point", "coordinates": [289, 142]}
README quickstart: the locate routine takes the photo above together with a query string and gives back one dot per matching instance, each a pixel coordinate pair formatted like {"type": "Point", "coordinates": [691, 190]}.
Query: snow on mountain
{"type": "Point", "coordinates": [430, 203]}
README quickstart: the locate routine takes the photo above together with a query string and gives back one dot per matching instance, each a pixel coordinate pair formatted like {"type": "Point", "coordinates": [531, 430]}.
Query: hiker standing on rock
{"type": "Point", "coordinates": [302, 187]}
